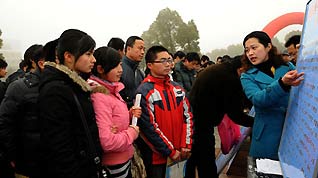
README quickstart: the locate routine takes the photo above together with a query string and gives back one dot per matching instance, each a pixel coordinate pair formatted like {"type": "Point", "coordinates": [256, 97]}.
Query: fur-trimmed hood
{"type": "Point", "coordinates": [49, 75]}
{"type": "Point", "coordinates": [109, 87]}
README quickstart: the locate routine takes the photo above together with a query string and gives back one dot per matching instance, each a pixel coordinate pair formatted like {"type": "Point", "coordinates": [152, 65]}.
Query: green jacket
{"type": "Point", "coordinates": [184, 76]}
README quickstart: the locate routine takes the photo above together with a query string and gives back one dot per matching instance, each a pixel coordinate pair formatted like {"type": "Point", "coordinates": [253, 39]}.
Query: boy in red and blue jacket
{"type": "Point", "coordinates": [166, 120]}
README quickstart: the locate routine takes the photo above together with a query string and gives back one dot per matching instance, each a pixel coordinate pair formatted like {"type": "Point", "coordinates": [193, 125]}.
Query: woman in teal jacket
{"type": "Point", "coordinates": [266, 83]}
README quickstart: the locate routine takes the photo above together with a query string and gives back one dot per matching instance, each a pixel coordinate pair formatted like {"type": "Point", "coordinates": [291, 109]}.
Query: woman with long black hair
{"type": "Point", "coordinates": [66, 151]}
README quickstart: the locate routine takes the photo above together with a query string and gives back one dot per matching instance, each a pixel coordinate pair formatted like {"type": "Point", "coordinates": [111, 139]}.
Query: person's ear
{"type": "Point", "coordinates": [100, 69]}
{"type": "Point", "coordinates": [128, 49]}
{"type": "Point", "coordinates": [149, 65]}
{"type": "Point", "coordinates": [68, 57]}
{"type": "Point", "coordinates": [269, 47]}
{"type": "Point", "coordinates": [69, 60]}
{"type": "Point", "coordinates": [41, 64]}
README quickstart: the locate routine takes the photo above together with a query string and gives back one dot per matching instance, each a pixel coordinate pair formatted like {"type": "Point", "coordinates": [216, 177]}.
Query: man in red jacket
{"type": "Point", "coordinates": [166, 121]}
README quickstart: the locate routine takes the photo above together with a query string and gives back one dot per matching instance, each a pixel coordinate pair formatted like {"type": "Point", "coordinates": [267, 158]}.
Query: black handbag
{"type": "Point", "coordinates": [101, 170]}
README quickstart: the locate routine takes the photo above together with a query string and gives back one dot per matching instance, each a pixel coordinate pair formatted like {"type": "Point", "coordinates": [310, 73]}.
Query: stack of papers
{"type": "Point", "coordinates": [268, 166]}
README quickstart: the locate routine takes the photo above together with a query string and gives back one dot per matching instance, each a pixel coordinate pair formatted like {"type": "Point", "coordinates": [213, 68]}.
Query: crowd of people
{"type": "Point", "coordinates": [67, 111]}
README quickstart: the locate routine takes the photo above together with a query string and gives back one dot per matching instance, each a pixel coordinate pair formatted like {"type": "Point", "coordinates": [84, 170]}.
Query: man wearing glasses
{"type": "Point", "coordinates": [166, 121]}
{"type": "Point", "coordinates": [292, 45]}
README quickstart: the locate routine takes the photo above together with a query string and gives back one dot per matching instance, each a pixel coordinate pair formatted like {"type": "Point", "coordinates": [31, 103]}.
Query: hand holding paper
{"type": "Point", "coordinates": [136, 110]}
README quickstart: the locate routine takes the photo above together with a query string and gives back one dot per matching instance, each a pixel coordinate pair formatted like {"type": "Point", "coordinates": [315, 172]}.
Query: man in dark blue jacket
{"type": "Point", "coordinates": [132, 75]}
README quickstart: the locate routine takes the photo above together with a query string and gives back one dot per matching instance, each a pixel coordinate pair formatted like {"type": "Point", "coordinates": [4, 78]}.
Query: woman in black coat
{"type": "Point", "coordinates": [216, 91]}
{"type": "Point", "coordinates": [64, 143]}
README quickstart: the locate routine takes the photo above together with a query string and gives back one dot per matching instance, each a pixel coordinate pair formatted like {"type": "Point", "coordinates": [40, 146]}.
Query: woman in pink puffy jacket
{"type": "Point", "coordinates": [112, 115]}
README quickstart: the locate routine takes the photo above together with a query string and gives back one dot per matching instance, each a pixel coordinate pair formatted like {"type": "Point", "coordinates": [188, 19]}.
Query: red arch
{"type": "Point", "coordinates": [283, 21]}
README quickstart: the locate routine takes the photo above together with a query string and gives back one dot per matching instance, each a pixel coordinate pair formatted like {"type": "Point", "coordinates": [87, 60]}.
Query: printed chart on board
{"type": "Point", "coordinates": [298, 151]}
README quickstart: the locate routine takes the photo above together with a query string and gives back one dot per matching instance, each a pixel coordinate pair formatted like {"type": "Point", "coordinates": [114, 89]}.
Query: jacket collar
{"type": "Point", "coordinates": [131, 63]}
{"type": "Point", "coordinates": [71, 74]}
{"type": "Point", "coordinates": [281, 71]}
{"type": "Point", "coordinates": [180, 66]}
{"type": "Point", "coordinates": [114, 87]}
{"type": "Point", "coordinates": [264, 78]}
{"type": "Point", "coordinates": [161, 81]}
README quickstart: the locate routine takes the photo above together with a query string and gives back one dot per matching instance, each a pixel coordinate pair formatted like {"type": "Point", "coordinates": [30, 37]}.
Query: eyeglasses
{"type": "Point", "coordinates": [164, 61]}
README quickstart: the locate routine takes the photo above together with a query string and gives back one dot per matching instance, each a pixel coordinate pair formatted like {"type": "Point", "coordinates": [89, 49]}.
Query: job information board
{"type": "Point", "coordinates": [298, 151]}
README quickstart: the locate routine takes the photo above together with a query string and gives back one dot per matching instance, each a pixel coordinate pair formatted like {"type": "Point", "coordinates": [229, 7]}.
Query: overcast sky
{"type": "Point", "coordinates": [220, 22]}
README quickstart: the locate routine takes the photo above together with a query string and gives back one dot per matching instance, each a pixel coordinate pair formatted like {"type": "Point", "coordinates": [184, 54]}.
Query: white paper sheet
{"type": "Point", "coordinates": [268, 166]}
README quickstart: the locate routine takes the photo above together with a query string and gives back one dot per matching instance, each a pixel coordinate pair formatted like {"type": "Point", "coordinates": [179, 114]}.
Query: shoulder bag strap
{"type": "Point", "coordinates": [87, 131]}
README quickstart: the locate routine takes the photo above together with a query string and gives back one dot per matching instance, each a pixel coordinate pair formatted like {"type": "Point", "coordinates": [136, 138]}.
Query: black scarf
{"type": "Point", "coordinates": [265, 67]}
